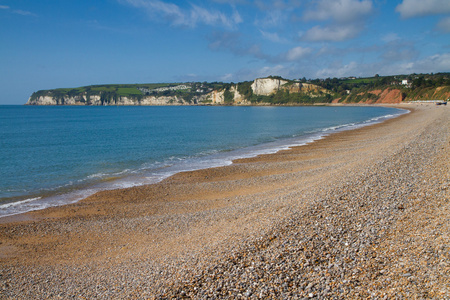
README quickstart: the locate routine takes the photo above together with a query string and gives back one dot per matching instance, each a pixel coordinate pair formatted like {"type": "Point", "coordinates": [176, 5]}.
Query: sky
{"type": "Point", "coordinates": [50, 44]}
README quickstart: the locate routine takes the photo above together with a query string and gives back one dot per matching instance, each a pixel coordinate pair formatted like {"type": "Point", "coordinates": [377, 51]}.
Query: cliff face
{"type": "Point", "coordinates": [218, 97]}
{"type": "Point", "coordinates": [213, 98]}
{"type": "Point", "coordinates": [388, 96]}
{"type": "Point", "coordinates": [97, 101]}
{"type": "Point", "coordinates": [221, 96]}
{"type": "Point", "coordinates": [267, 86]}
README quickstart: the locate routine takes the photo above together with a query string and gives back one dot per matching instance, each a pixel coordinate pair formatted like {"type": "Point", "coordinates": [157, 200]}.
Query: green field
{"type": "Point", "coordinates": [128, 91]}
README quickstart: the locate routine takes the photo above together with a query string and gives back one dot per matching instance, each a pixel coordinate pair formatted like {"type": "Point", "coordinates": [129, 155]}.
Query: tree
{"type": "Point", "coordinates": [228, 96]}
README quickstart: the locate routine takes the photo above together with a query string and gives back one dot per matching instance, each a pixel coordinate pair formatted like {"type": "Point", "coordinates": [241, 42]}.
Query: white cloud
{"type": "Point", "coordinates": [331, 33]}
{"type": "Point", "coordinates": [390, 37]}
{"type": "Point", "coordinates": [23, 12]}
{"type": "Point", "coordinates": [341, 11]}
{"type": "Point", "coordinates": [272, 18]}
{"type": "Point", "coordinates": [434, 63]}
{"type": "Point", "coordinates": [185, 17]}
{"type": "Point", "coordinates": [202, 15]}
{"type": "Point", "coordinates": [431, 64]}
{"type": "Point", "coordinates": [17, 11]}
{"type": "Point", "coordinates": [231, 1]}
{"type": "Point", "coordinates": [231, 41]}
{"type": "Point", "coordinates": [279, 70]}
{"type": "Point", "coordinates": [394, 54]}
{"type": "Point", "coordinates": [273, 37]}
{"type": "Point", "coordinates": [226, 77]}
{"type": "Point", "coordinates": [444, 25]}
{"type": "Point", "coordinates": [297, 53]}
{"type": "Point", "coordinates": [345, 19]}
{"type": "Point", "coordinates": [273, 5]}
{"type": "Point", "coordinates": [417, 8]}
{"type": "Point", "coordinates": [350, 69]}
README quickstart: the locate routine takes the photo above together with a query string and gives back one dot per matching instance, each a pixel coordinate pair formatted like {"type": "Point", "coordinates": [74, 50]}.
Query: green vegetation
{"type": "Point", "coordinates": [284, 97]}
{"type": "Point", "coordinates": [245, 89]}
{"type": "Point", "coordinates": [228, 96]}
{"type": "Point", "coordinates": [128, 91]}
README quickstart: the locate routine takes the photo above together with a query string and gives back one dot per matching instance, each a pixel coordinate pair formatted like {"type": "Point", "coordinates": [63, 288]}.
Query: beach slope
{"type": "Point", "coordinates": [359, 214]}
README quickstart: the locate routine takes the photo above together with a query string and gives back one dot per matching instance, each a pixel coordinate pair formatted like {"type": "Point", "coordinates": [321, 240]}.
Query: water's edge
{"type": "Point", "coordinates": [189, 164]}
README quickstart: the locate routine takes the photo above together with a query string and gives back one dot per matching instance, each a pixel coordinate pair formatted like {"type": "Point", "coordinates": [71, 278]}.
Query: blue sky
{"type": "Point", "coordinates": [49, 44]}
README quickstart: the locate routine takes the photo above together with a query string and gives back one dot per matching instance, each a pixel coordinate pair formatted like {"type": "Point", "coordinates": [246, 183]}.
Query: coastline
{"type": "Point", "coordinates": [331, 205]}
{"type": "Point", "coordinates": [78, 188]}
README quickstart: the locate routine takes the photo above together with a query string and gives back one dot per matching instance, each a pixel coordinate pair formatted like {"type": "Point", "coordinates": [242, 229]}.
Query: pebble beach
{"type": "Point", "coordinates": [360, 214]}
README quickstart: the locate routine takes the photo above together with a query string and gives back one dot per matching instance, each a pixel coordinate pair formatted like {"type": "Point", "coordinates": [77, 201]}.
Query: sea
{"type": "Point", "coordinates": [55, 155]}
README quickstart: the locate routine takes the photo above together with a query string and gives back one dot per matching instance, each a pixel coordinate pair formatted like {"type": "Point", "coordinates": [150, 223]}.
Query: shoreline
{"type": "Point", "coordinates": [83, 191]}
{"type": "Point", "coordinates": [352, 215]}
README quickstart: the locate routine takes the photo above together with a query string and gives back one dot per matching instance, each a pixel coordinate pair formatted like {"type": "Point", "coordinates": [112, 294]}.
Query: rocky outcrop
{"type": "Point", "coordinates": [389, 96]}
{"type": "Point", "coordinates": [96, 100]}
{"type": "Point", "coordinates": [238, 98]}
{"type": "Point", "coordinates": [218, 97]}
{"type": "Point", "coordinates": [49, 100]}
{"type": "Point", "coordinates": [267, 86]}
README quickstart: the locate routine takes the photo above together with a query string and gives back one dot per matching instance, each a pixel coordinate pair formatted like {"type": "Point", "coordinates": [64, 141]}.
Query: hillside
{"type": "Point", "coordinates": [262, 91]}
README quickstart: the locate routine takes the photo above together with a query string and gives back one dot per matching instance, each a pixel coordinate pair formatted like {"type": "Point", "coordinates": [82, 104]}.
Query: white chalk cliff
{"type": "Point", "coordinates": [228, 96]}
{"type": "Point", "coordinates": [267, 86]}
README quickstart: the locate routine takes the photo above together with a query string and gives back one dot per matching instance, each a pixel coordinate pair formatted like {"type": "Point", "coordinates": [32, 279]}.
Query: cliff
{"type": "Point", "coordinates": [267, 86]}
{"type": "Point", "coordinates": [212, 98]}
{"type": "Point", "coordinates": [261, 91]}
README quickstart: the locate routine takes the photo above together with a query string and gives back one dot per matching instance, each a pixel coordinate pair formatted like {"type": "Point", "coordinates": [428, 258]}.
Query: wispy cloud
{"type": "Point", "coordinates": [232, 42]}
{"type": "Point", "coordinates": [232, 1]}
{"type": "Point", "coordinates": [191, 17]}
{"type": "Point", "coordinates": [444, 25]}
{"type": "Point", "coordinates": [341, 11]}
{"type": "Point", "coordinates": [272, 18]}
{"type": "Point", "coordinates": [339, 70]}
{"type": "Point", "coordinates": [390, 37]}
{"type": "Point", "coordinates": [23, 12]}
{"type": "Point", "coordinates": [17, 11]}
{"type": "Point", "coordinates": [430, 64]}
{"type": "Point", "coordinates": [418, 8]}
{"type": "Point", "coordinates": [279, 70]}
{"type": "Point", "coordinates": [296, 53]}
{"type": "Point", "coordinates": [273, 37]}
{"type": "Point", "coordinates": [433, 63]}
{"type": "Point", "coordinates": [334, 33]}
{"type": "Point", "coordinates": [344, 19]}
{"type": "Point", "coordinates": [396, 51]}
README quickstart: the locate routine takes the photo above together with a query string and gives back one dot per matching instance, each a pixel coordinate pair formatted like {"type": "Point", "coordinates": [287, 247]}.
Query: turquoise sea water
{"type": "Point", "coordinates": [57, 155]}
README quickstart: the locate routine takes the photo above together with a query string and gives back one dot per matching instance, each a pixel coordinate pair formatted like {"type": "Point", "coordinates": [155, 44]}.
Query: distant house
{"type": "Point", "coordinates": [406, 82]}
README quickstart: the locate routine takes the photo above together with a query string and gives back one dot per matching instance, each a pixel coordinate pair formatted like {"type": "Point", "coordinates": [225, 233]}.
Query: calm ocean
{"type": "Point", "coordinates": [57, 155]}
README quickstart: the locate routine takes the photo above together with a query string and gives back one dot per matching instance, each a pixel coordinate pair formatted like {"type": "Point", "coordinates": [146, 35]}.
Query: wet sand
{"type": "Point", "coordinates": [359, 214]}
